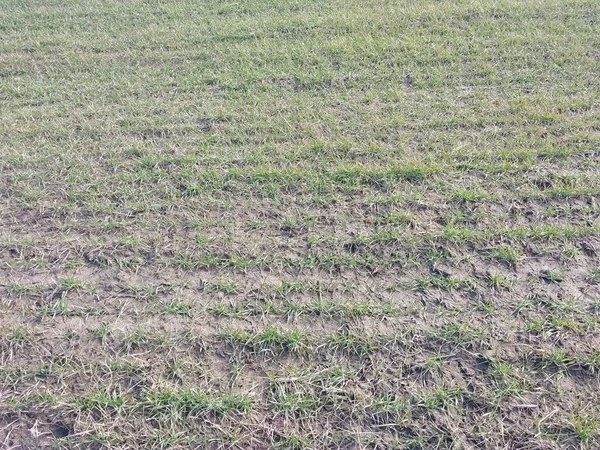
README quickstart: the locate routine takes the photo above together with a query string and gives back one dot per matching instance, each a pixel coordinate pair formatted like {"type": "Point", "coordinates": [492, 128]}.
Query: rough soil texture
{"type": "Point", "coordinates": [300, 225]}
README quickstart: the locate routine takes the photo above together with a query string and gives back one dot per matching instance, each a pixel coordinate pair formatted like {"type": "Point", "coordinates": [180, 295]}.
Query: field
{"type": "Point", "coordinates": [300, 224]}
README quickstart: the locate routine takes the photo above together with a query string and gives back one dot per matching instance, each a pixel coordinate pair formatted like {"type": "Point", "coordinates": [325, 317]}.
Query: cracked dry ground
{"type": "Point", "coordinates": [297, 225]}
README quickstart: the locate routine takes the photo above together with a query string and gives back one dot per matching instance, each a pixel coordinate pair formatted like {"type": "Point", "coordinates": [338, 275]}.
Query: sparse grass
{"type": "Point", "coordinates": [178, 307]}
{"type": "Point", "coordinates": [352, 344]}
{"type": "Point", "coordinates": [194, 403]}
{"type": "Point", "coordinates": [507, 255]}
{"type": "Point", "coordinates": [69, 284]}
{"type": "Point", "coordinates": [101, 400]}
{"type": "Point", "coordinates": [18, 335]}
{"type": "Point", "coordinates": [552, 276]}
{"type": "Point", "coordinates": [299, 225]}
{"type": "Point", "coordinates": [460, 334]}
{"type": "Point", "coordinates": [294, 403]}
{"type": "Point", "coordinates": [270, 338]}
{"type": "Point", "coordinates": [226, 287]}
{"type": "Point", "coordinates": [499, 282]}
{"type": "Point", "coordinates": [443, 283]}
{"type": "Point", "coordinates": [441, 398]}
{"type": "Point", "coordinates": [586, 428]}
